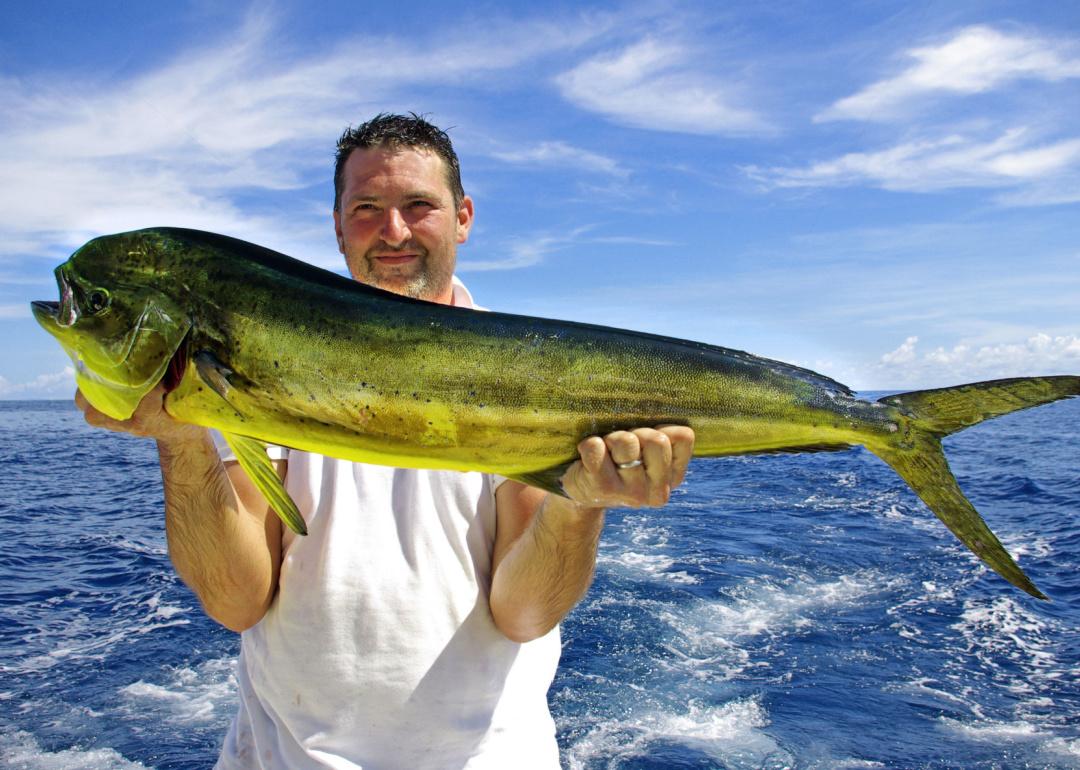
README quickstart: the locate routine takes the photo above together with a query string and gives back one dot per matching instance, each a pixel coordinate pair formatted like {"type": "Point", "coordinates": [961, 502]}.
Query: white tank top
{"type": "Point", "coordinates": [379, 650]}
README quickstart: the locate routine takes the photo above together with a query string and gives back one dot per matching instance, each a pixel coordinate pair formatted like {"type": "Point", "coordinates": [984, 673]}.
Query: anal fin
{"type": "Point", "coordinates": [256, 464]}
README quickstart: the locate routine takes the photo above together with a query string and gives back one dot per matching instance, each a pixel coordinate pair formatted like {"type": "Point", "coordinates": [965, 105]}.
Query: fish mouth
{"type": "Point", "coordinates": [62, 313]}
{"type": "Point", "coordinates": [44, 310]}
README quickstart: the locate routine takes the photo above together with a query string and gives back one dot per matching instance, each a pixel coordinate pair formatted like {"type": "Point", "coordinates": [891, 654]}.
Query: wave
{"type": "Point", "coordinates": [187, 695]}
{"type": "Point", "coordinates": [22, 750]}
{"type": "Point", "coordinates": [729, 733]}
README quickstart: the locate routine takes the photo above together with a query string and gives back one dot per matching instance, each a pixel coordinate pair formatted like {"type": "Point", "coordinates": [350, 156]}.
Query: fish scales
{"type": "Point", "coordinates": [267, 348]}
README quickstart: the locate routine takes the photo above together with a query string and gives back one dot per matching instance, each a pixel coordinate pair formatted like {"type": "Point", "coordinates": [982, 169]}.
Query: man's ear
{"type": "Point", "coordinates": [464, 219]}
{"type": "Point", "coordinates": [337, 231]}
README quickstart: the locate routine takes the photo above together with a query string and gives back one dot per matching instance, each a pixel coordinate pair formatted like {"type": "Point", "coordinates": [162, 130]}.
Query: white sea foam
{"type": "Point", "coordinates": [149, 549]}
{"type": "Point", "coordinates": [654, 564]}
{"type": "Point", "coordinates": [1015, 647]}
{"type": "Point", "coordinates": [914, 514]}
{"type": "Point", "coordinates": [831, 497]}
{"type": "Point", "coordinates": [995, 732]}
{"type": "Point", "coordinates": [713, 639]}
{"type": "Point", "coordinates": [646, 554]}
{"type": "Point", "coordinates": [644, 532]}
{"type": "Point", "coordinates": [895, 511]}
{"type": "Point", "coordinates": [1064, 746]}
{"type": "Point", "coordinates": [649, 562]}
{"type": "Point", "coordinates": [682, 576]}
{"type": "Point", "coordinates": [731, 733]}
{"type": "Point", "coordinates": [1001, 628]}
{"type": "Point", "coordinates": [188, 695]}
{"type": "Point", "coordinates": [769, 608]}
{"type": "Point", "coordinates": [22, 750]}
{"type": "Point", "coordinates": [925, 686]}
{"type": "Point", "coordinates": [847, 479]}
{"type": "Point", "coordinates": [1027, 545]}
{"type": "Point", "coordinates": [159, 611]}
{"type": "Point", "coordinates": [834, 763]}
{"type": "Point", "coordinates": [908, 615]}
{"type": "Point", "coordinates": [720, 660]}
{"type": "Point", "coordinates": [83, 638]}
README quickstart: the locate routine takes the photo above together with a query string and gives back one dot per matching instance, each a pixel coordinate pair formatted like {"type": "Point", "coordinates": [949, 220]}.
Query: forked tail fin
{"type": "Point", "coordinates": [916, 454]}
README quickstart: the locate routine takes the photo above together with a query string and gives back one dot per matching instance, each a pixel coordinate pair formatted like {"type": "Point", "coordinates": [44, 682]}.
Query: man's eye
{"type": "Point", "coordinates": [420, 204]}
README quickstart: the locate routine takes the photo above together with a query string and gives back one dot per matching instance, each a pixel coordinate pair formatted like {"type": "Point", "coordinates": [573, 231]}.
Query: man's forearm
{"type": "Point", "coordinates": [548, 569]}
{"type": "Point", "coordinates": [217, 549]}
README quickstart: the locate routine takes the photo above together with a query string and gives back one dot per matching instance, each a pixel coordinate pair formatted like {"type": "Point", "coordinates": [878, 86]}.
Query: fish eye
{"type": "Point", "coordinates": [97, 300]}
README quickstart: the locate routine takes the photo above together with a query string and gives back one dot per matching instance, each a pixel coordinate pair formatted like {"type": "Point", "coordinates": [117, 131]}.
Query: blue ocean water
{"type": "Point", "coordinates": [799, 611]}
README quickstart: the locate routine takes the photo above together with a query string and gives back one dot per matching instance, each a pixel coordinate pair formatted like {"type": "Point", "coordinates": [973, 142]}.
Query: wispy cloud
{"type": "Point", "coordinates": [561, 155]}
{"type": "Point", "coordinates": [1020, 143]}
{"type": "Point", "coordinates": [21, 310]}
{"type": "Point", "coordinates": [521, 254]}
{"type": "Point", "coordinates": [632, 240]}
{"type": "Point", "coordinates": [525, 251]}
{"type": "Point", "coordinates": [659, 86]}
{"type": "Point", "coordinates": [1013, 158]}
{"type": "Point", "coordinates": [528, 251]}
{"type": "Point", "coordinates": [187, 143]}
{"type": "Point", "coordinates": [974, 60]}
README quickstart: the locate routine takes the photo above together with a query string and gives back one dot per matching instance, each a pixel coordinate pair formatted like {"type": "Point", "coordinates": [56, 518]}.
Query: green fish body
{"type": "Point", "coordinates": [266, 348]}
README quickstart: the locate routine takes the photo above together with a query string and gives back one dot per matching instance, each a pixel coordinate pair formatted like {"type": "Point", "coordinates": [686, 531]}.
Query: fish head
{"type": "Point", "coordinates": [121, 318]}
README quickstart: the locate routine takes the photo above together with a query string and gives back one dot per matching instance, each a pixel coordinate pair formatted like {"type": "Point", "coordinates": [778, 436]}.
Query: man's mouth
{"type": "Point", "coordinates": [395, 259]}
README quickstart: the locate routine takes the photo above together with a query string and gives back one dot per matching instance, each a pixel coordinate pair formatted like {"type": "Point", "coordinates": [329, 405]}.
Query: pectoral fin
{"type": "Point", "coordinates": [548, 479]}
{"type": "Point", "coordinates": [214, 373]}
{"type": "Point", "coordinates": [256, 463]}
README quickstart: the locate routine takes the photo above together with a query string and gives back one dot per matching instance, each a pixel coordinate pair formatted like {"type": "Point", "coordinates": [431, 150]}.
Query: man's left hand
{"type": "Point", "coordinates": [635, 468]}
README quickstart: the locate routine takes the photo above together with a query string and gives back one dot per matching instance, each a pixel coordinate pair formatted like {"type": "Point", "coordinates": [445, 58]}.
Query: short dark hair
{"type": "Point", "coordinates": [393, 131]}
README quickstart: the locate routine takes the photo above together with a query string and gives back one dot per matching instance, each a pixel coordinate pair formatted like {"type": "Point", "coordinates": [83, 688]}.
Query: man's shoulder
{"type": "Point", "coordinates": [463, 297]}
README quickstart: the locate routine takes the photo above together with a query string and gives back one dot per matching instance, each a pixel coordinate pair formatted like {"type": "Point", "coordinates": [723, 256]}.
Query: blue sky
{"type": "Point", "coordinates": [888, 193]}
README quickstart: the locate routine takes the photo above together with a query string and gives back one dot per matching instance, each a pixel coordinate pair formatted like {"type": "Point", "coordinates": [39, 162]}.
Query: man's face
{"type": "Point", "coordinates": [397, 224]}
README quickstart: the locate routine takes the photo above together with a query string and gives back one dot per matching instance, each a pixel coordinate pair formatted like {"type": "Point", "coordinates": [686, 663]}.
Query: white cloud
{"type": "Point", "coordinates": [903, 354]}
{"type": "Point", "coordinates": [974, 60]}
{"type": "Point", "coordinates": [659, 86]}
{"type": "Point", "coordinates": [1039, 354]}
{"type": "Point", "coordinates": [560, 154]}
{"type": "Point", "coordinates": [44, 385]}
{"type": "Point", "coordinates": [181, 144]}
{"type": "Point", "coordinates": [1011, 159]}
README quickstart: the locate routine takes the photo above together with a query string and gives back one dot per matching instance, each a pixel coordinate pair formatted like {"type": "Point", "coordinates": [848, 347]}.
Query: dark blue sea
{"type": "Point", "coordinates": [800, 611]}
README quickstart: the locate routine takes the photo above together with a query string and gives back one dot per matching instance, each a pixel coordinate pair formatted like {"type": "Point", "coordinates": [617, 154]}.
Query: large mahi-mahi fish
{"type": "Point", "coordinates": [266, 348]}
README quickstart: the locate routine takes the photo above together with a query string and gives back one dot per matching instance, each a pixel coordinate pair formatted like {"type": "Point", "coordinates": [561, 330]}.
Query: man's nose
{"type": "Point", "coordinates": [395, 231]}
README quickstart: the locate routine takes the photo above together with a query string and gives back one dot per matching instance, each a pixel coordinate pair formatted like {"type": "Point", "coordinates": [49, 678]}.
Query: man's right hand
{"type": "Point", "coordinates": [149, 420]}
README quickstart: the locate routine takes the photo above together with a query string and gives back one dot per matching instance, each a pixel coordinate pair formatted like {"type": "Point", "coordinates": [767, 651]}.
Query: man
{"type": "Point", "coordinates": [416, 625]}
